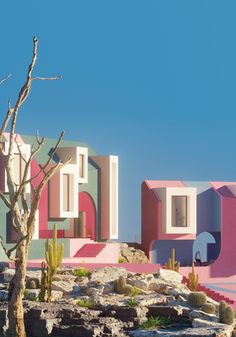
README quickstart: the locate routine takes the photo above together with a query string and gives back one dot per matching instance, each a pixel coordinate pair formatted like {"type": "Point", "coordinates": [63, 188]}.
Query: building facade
{"type": "Point", "coordinates": [82, 198]}
{"type": "Point", "coordinates": [198, 219]}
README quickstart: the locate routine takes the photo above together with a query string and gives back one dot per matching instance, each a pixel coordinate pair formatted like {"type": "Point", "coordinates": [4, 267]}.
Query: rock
{"type": "Point", "coordinates": [198, 314]}
{"type": "Point", "coordinates": [170, 276]}
{"type": "Point", "coordinates": [141, 281]}
{"type": "Point", "coordinates": [64, 286]}
{"type": "Point", "coordinates": [107, 274]}
{"type": "Point", "coordinates": [224, 330]}
{"type": "Point", "coordinates": [166, 311]}
{"type": "Point", "coordinates": [33, 295]}
{"type": "Point", "coordinates": [189, 332]}
{"type": "Point", "coordinates": [3, 295]}
{"type": "Point", "coordinates": [8, 274]}
{"type": "Point", "coordinates": [132, 255]}
{"type": "Point", "coordinates": [3, 266]}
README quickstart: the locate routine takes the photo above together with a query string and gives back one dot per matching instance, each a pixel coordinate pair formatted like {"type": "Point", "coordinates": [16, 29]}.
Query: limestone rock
{"type": "Point", "coordinates": [170, 276]}
{"type": "Point", "coordinates": [8, 274]}
{"type": "Point", "coordinates": [132, 255]}
{"type": "Point", "coordinates": [224, 330]}
{"type": "Point", "coordinates": [64, 286]}
{"type": "Point", "coordinates": [107, 274]}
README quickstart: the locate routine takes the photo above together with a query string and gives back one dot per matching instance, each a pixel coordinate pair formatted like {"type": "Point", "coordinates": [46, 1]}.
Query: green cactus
{"type": "Point", "coordinates": [193, 279]}
{"type": "Point", "coordinates": [226, 314]}
{"type": "Point", "coordinates": [32, 284]}
{"type": "Point", "coordinates": [172, 264]}
{"type": "Point", "coordinates": [208, 308]}
{"type": "Point", "coordinates": [123, 288]}
{"type": "Point", "coordinates": [44, 280]}
{"type": "Point", "coordinates": [53, 255]}
{"type": "Point", "coordinates": [222, 307]}
{"type": "Point", "coordinates": [197, 299]}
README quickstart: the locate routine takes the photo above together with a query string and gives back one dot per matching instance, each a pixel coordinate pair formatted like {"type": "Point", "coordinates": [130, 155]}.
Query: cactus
{"type": "Point", "coordinates": [123, 288]}
{"type": "Point", "coordinates": [32, 283]}
{"type": "Point", "coordinates": [193, 279]}
{"type": "Point", "coordinates": [208, 308]}
{"type": "Point", "coordinates": [172, 264]}
{"type": "Point", "coordinates": [226, 314]}
{"type": "Point", "coordinates": [54, 255]}
{"type": "Point", "coordinates": [44, 279]}
{"type": "Point", "coordinates": [197, 299]}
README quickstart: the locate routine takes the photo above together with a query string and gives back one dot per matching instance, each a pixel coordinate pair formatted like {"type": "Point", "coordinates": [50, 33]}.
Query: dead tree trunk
{"type": "Point", "coordinates": [16, 294]}
{"type": "Point", "coordinates": [23, 211]}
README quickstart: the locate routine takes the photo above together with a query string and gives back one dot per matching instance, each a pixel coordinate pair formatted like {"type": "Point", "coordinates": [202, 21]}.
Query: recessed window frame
{"type": "Point", "coordinates": [175, 218]}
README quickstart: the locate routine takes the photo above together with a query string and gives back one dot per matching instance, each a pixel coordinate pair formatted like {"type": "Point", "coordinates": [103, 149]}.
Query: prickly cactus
{"type": "Point", "coordinates": [44, 280]}
{"type": "Point", "coordinates": [54, 255]}
{"type": "Point", "coordinates": [226, 314]}
{"type": "Point", "coordinates": [193, 279]}
{"type": "Point", "coordinates": [197, 299]}
{"type": "Point", "coordinates": [123, 288]}
{"type": "Point", "coordinates": [172, 264]}
{"type": "Point", "coordinates": [208, 308]}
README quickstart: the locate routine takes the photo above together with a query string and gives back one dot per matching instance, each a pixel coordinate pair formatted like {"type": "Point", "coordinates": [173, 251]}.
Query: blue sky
{"type": "Point", "coordinates": [151, 81]}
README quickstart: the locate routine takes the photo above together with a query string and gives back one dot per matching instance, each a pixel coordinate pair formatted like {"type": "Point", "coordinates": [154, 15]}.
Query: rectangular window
{"type": "Point", "coordinates": [66, 192]}
{"type": "Point", "coordinates": [81, 166]}
{"type": "Point", "coordinates": [179, 211]}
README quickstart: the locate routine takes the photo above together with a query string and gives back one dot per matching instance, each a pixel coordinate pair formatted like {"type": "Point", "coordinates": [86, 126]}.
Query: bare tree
{"type": "Point", "coordinates": [23, 211]}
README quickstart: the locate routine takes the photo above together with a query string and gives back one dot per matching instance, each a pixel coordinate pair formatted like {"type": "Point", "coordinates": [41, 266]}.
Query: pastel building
{"type": "Point", "coordinates": [82, 198]}
{"type": "Point", "coordinates": [198, 219]}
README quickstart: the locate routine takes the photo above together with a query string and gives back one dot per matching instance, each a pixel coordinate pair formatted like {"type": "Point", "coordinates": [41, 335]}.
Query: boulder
{"type": "Point", "coordinates": [107, 274]}
{"type": "Point", "coordinates": [223, 330]}
{"type": "Point", "coordinates": [3, 295]}
{"type": "Point", "coordinates": [132, 255]}
{"type": "Point", "coordinates": [170, 276]}
{"type": "Point", "coordinates": [64, 286]}
{"type": "Point", "coordinates": [8, 274]}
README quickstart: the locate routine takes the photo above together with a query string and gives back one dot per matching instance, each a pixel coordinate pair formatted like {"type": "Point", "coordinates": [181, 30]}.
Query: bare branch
{"type": "Point", "coordinates": [6, 202]}
{"type": "Point", "coordinates": [5, 79]}
{"type": "Point", "coordinates": [8, 252]}
{"type": "Point", "coordinates": [47, 78]}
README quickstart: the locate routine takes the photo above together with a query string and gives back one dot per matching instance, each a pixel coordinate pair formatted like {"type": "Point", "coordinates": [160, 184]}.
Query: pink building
{"type": "Point", "coordinates": [198, 219]}
{"type": "Point", "coordinates": [82, 198]}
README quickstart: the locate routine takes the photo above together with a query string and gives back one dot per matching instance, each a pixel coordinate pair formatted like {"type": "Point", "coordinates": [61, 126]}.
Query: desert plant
{"type": "Point", "coordinates": [208, 308]}
{"type": "Point", "coordinates": [132, 302]}
{"type": "Point", "coordinates": [226, 314]}
{"type": "Point", "coordinates": [123, 288]}
{"type": "Point", "coordinates": [81, 272]}
{"type": "Point", "coordinates": [53, 255]}
{"type": "Point", "coordinates": [26, 294]}
{"type": "Point", "coordinates": [44, 282]}
{"type": "Point", "coordinates": [32, 283]}
{"type": "Point", "coordinates": [193, 279]}
{"type": "Point", "coordinates": [197, 299]}
{"type": "Point", "coordinates": [172, 264]}
{"type": "Point", "coordinates": [122, 260]}
{"type": "Point", "coordinates": [156, 322]}
{"type": "Point", "coordinates": [136, 291]}
{"type": "Point", "coordinates": [85, 303]}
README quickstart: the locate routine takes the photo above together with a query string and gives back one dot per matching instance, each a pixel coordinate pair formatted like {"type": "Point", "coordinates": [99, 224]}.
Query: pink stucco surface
{"type": "Point", "coordinates": [152, 215]}
{"type": "Point", "coordinates": [86, 204]}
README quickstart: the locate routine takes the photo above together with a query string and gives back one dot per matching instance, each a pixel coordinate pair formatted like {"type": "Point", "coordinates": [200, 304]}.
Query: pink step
{"type": "Point", "coordinates": [90, 250]}
{"type": "Point", "coordinates": [212, 293]}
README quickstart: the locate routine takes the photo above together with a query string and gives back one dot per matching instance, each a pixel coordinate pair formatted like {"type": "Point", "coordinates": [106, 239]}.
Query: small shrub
{"type": "Point", "coordinates": [136, 291]}
{"type": "Point", "coordinates": [81, 272]}
{"type": "Point", "coordinates": [132, 302]}
{"type": "Point", "coordinates": [208, 308]}
{"type": "Point", "coordinates": [26, 294]}
{"type": "Point", "coordinates": [122, 260]}
{"type": "Point", "coordinates": [197, 299]}
{"type": "Point", "coordinates": [85, 303]}
{"type": "Point", "coordinates": [156, 322]}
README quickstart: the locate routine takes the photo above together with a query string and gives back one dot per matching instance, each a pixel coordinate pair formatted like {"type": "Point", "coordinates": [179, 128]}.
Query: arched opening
{"type": "Point", "coordinates": [205, 248]}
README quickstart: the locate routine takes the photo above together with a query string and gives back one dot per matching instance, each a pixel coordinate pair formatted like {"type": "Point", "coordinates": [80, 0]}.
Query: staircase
{"type": "Point", "coordinates": [90, 250]}
{"type": "Point", "coordinates": [211, 293]}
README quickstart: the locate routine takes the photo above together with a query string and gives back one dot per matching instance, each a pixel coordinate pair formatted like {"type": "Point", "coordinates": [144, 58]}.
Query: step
{"type": "Point", "coordinates": [90, 250]}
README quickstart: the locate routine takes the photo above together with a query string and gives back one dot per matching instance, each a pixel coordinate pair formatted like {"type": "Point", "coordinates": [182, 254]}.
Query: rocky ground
{"type": "Point", "coordinates": [94, 305]}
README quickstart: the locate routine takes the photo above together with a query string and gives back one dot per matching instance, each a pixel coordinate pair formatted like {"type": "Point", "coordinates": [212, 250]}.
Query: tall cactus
{"type": "Point", "coordinates": [44, 280]}
{"type": "Point", "coordinates": [172, 264]}
{"type": "Point", "coordinates": [193, 279]}
{"type": "Point", "coordinates": [53, 254]}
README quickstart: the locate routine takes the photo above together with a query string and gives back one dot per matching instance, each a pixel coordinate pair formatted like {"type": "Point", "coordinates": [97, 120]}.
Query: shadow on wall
{"type": "Point", "coordinates": [161, 251]}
